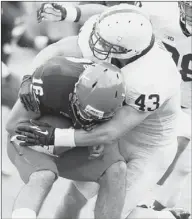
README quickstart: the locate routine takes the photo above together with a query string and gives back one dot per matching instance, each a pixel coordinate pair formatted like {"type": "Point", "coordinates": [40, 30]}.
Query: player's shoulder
{"type": "Point", "coordinates": [149, 78]}
{"type": "Point", "coordinates": [63, 66]}
{"type": "Point", "coordinates": [150, 68]}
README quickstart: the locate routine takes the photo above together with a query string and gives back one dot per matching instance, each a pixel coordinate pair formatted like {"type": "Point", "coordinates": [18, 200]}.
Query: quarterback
{"type": "Point", "coordinates": [145, 125]}
{"type": "Point", "coordinates": [65, 92]}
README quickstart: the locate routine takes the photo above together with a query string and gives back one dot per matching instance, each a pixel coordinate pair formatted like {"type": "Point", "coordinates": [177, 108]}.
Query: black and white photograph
{"type": "Point", "coordinates": [96, 109]}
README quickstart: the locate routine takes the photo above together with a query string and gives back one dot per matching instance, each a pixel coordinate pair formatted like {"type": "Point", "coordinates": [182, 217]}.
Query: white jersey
{"type": "Point", "coordinates": [153, 85]}
{"type": "Point", "coordinates": [165, 20]}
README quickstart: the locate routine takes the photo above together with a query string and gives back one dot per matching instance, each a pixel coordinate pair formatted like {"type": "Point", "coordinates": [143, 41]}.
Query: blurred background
{"type": "Point", "coordinates": [22, 37]}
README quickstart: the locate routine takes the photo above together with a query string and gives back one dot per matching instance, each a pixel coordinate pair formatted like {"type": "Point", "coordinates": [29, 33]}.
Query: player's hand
{"type": "Point", "coordinates": [51, 12]}
{"type": "Point", "coordinates": [96, 152]}
{"type": "Point", "coordinates": [27, 95]}
{"type": "Point", "coordinates": [33, 133]}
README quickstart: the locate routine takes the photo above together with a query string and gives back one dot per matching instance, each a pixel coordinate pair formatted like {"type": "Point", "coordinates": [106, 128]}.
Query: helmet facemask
{"type": "Point", "coordinates": [102, 49]}
{"type": "Point", "coordinates": [186, 16]}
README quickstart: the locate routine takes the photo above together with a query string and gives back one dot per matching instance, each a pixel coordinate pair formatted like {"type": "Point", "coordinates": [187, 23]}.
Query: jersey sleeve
{"type": "Point", "coordinates": [145, 97]}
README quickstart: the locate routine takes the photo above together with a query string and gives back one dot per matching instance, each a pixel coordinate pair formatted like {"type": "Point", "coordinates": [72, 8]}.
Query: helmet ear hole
{"type": "Point", "coordinates": [116, 94]}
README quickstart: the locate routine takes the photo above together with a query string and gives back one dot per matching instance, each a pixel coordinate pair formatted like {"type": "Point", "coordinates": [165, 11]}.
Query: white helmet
{"type": "Point", "coordinates": [122, 31]}
{"type": "Point", "coordinates": [186, 17]}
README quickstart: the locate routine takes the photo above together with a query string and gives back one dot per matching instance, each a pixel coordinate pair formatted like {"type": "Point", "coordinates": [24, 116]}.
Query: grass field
{"type": "Point", "coordinates": [12, 184]}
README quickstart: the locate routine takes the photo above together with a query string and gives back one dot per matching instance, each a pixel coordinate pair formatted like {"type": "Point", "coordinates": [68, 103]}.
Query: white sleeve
{"type": "Point", "coordinates": [144, 98]}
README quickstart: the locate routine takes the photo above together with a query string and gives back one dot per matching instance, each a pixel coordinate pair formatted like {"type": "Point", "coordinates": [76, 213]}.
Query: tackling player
{"type": "Point", "coordinates": [173, 26]}
{"type": "Point", "coordinates": [175, 34]}
{"type": "Point", "coordinates": [63, 99]}
{"type": "Point", "coordinates": [145, 126]}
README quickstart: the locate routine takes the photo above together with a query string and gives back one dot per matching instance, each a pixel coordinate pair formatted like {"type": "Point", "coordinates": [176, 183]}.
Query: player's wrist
{"type": "Point", "coordinates": [71, 13]}
{"type": "Point", "coordinates": [64, 138]}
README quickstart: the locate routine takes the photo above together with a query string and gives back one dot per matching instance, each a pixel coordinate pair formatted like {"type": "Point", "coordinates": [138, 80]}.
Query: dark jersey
{"type": "Point", "coordinates": [54, 82]}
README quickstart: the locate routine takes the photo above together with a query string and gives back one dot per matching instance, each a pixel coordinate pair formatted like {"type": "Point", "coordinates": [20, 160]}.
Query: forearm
{"type": "Point", "coordinates": [95, 137]}
{"type": "Point", "coordinates": [105, 133]}
{"type": "Point", "coordinates": [82, 138]}
{"type": "Point", "coordinates": [125, 120]}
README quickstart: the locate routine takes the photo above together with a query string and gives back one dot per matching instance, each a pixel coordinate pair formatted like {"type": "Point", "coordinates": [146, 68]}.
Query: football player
{"type": "Point", "coordinates": [175, 34]}
{"type": "Point", "coordinates": [145, 125]}
{"type": "Point", "coordinates": [173, 27]}
{"type": "Point", "coordinates": [63, 99]}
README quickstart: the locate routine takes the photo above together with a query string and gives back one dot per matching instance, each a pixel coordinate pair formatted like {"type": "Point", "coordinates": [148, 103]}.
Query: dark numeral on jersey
{"type": "Point", "coordinates": [140, 101]}
{"type": "Point", "coordinates": [155, 99]}
{"type": "Point", "coordinates": [186, 73]}
{"type": "Point", "coordinates": [173, 51]}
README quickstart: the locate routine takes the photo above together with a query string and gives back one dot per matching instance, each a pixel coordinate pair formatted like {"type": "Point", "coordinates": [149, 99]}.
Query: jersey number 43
{"type": "Point", "coordinates": [148, 103]}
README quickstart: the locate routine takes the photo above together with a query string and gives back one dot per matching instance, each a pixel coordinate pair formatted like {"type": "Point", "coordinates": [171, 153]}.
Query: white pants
{"type": "Point", "coordinates": [144, 168]}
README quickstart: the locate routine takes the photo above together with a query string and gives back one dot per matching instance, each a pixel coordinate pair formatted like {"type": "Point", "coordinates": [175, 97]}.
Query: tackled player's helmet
{"type": "Point", "coordinates": [186, 17]}
{"type": "Point", "coordinates": [98, 94]}
{"type": "Point", "coordinates": [122, 31]}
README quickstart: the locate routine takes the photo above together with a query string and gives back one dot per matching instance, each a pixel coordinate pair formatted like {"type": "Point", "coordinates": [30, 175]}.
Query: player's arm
{"type": "Point", "coordinates": [125, 120]}
{"type": "Point", "coordinates": [65, 47]}
{"type": "Point", "coordinates": [19, 114]}
{"type": "Point", "coordinates": [139, 107]}
{"type": "Point", "coordinates": [141, 100]}
{"type": "Point", "coordinates": [80, 13]}
{"type": "Point", "coordinates": [27, 106]}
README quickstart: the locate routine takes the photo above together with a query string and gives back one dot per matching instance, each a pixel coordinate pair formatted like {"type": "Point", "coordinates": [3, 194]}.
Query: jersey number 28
{"type": "Point", "coordinates": [186, 73]}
